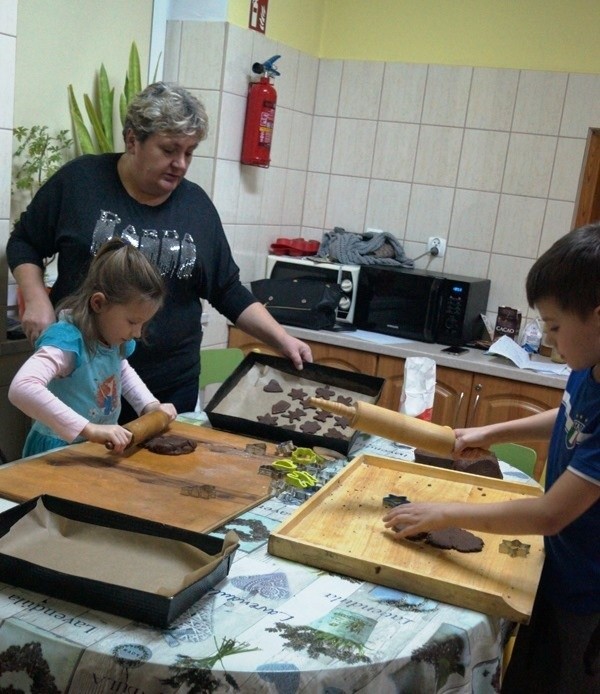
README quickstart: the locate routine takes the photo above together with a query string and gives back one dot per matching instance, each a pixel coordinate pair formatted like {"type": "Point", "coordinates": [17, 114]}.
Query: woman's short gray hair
{"type": "Point", "coordinates": [165, 108]}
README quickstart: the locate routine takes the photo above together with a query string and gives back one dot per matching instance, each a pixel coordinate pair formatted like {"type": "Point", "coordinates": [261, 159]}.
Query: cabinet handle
{"type": "Point", "coordinates": [478, 388]}
{"type": "Point", "coordinates": [458, 406]}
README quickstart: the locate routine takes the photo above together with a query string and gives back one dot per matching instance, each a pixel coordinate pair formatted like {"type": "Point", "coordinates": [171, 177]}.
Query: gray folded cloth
{"type": "Point", "coordinates": [341, 246]}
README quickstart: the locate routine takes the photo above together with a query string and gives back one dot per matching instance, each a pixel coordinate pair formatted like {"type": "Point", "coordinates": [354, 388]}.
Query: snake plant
{"type": "Point", "coordinates": [100, 112]}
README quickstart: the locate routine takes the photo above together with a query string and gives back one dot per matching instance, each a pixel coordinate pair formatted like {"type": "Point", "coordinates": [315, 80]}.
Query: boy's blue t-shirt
{"type": "Point", "coordinates": [571, 577]}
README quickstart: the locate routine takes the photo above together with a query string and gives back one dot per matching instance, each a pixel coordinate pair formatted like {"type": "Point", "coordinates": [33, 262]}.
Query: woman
{"type": "Point", "coordinates": [143, 196]}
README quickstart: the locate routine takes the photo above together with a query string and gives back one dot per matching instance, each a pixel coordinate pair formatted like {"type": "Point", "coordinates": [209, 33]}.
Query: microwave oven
{"type": "Point", "coordinates": [287, 267]}
{"type": "Point", "coordinates": [421, 305]}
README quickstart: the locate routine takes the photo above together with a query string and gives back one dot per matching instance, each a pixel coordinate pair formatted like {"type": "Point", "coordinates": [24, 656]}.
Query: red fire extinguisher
{"type": "Point", "coordinates": [260, 116]}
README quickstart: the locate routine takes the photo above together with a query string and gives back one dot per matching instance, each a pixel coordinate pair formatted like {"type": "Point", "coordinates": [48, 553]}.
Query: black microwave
{"type": "Point", "coordinates": [421, 305]}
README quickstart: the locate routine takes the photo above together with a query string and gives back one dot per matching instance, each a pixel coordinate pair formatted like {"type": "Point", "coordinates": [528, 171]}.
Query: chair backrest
{"type": "Point", "coordinates": [216, 365]}
{"type": "Point", "coordinates": [521, 457]}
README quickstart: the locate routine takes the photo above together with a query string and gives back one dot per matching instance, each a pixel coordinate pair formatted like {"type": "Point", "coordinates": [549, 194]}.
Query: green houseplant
{"type": "Point", "coordinates": [100, 110]}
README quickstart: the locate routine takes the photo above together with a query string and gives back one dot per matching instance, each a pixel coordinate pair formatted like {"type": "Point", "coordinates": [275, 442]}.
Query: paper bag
{"type": "Point", "coordinates": [418, 388]}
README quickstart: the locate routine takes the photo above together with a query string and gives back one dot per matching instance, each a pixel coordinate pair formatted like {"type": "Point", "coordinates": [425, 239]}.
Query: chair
{"type": "Point", "coordinates": [520, 457]}
{"type": "Point", "coordinates": [216, 365]}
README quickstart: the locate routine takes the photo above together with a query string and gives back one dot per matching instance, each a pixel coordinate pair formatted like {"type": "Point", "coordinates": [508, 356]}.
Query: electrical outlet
{"type": "Point", "coordinates": [436, 242]}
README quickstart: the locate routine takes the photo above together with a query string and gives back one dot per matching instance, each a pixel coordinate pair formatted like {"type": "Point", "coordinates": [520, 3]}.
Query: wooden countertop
{"type": "Point", "coordinates": [475, 360]}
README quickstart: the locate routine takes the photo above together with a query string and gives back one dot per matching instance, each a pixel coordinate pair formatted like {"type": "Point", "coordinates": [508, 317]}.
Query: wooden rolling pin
{"type": "Point", "coordinates": [393, 425]}
{"type": "Point", "coordinates": [145, 427]}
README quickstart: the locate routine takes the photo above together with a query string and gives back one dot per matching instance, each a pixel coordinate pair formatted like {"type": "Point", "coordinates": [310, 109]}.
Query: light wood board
{"type": "Point", "coordinates": [340, 529]}
{"type": "Point", "coordinates": [148, 485]}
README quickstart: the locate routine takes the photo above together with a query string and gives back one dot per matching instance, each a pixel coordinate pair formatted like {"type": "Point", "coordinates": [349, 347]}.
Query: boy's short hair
{"type": "Point", "coordinates": [569, 272]}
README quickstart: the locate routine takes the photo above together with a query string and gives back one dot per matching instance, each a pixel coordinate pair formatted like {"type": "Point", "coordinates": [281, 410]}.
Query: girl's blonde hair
{"type": "Point", "coordinates": [123, 274]}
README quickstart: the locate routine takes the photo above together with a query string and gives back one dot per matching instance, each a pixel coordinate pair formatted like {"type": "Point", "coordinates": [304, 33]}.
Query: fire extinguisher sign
{"type": "Point", "coordinates": [258, 15]}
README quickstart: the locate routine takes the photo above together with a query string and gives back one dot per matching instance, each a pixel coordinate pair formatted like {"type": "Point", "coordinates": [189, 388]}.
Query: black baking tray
{"type": "Point", "coordinates": [139, 605]}
{"type": "Point", "coordinates": [369, 386]}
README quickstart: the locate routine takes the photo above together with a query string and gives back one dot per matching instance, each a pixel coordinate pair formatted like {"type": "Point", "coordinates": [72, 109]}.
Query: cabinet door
{"type": "Point", "coordinates": [327, 355]}
{"type": "Point", "coordinates": [452, 392]}
{"type": "Point", "coordinates": [392, 369]}
{"type": "Point", "coordinates": [499, 400]}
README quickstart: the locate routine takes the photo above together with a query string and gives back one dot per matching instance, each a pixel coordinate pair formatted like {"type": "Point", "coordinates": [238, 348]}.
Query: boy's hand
{"type": "Point", "coordinates": [412, 519]}
{"type": "Point", "coordinates": [167, 407]}
{"type": "Point", "coordinates": [113, 436]}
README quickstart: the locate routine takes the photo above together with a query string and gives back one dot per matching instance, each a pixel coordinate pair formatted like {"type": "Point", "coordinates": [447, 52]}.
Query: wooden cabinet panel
{"type": "Point", "coordinates": [392, 369]}
{"type": "Point", "coordinates": [452, 393]}
{"type": "Point", "coordinates": [499, 400]}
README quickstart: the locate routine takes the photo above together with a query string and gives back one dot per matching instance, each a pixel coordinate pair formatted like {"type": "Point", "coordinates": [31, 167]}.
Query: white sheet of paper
{"type": "Point", "coordinates": [508, 348]}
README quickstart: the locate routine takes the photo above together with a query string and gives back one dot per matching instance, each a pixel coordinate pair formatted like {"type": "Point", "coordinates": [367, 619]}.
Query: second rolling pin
{"type": "Point", "coordinates": [393, 425]}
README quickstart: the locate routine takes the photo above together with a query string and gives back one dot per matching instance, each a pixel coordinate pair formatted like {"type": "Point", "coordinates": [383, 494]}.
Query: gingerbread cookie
{"type": "Point", "coordinates": [296, 414]}
{"type": "Point", "coordinates": [323, 416]}
{"type": "Point", "coordinates": [267, 419]}
{"type": "Point", "coordinates": [280, 407]}
{"type": "Point", "coordinates": [310, 427]}
{"type": "Point", "coordinates": [335, 434]}
{"type": "Point", "coordinates": [273, 387]}
{"type": "Point", "coordinates": [297, 394]}
{"type": "Point", "coordinates": [170, 444]}
{"type": "Point", "coordinates": [455, 538]}
{"type": "Point", "coordinates": [324, 392]}
{"type": "Point", "coordinates": [344, 400]}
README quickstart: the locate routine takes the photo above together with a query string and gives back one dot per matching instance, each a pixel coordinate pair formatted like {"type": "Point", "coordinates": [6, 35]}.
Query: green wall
{"type": "Point", "coordinates": [556, 35]}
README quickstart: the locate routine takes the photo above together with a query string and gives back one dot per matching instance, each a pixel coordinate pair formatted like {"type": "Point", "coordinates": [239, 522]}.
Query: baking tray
{"type": "Point", "coordinates": [266, 366]}
{"type": "Point", "coordinates": [139, 605]}
{"type": "Point", "coordinates": [340, 529]}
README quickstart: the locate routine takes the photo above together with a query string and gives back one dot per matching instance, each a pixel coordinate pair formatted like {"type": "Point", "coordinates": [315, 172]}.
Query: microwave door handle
{"type": "Point", "coordinates": [434, 306]}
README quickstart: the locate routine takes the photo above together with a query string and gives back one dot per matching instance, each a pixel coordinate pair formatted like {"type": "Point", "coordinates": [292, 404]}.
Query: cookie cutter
{"type": "Point", "coordinates": [304, 456]}
{"type": "Point", "coordinates": [301, 479]}
{"type": "Point", "coordinates": [285, 447]}
{"type": "Point", "coordinates": [256, 448]}
{"type": "Point", "coordinates": [392, 500]}
{"type": "Point", "coordinates": [514, 548]}
{"type": "Point", "coordinates": [272, 472]}
{"type": "Point", "coordinates": [284, 464]}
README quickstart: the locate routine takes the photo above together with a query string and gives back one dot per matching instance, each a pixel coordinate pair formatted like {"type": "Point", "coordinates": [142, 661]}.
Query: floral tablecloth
{"type": "Point", "coordinates": [271, 626]}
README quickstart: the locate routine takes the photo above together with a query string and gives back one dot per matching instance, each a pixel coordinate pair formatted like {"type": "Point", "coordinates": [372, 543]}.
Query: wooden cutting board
{"type": "Point", "coordinates": [163, 488]}
{"type": "Point", "coordinates": [340, 529]}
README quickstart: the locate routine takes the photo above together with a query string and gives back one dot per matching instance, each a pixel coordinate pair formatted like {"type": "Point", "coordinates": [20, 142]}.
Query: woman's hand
{"type": "Point", "coordinates": [296, 351]}
{"type": "Point", "coordinates": [114, 435]}
{"type": "Point", "coordinates": [166, 407]}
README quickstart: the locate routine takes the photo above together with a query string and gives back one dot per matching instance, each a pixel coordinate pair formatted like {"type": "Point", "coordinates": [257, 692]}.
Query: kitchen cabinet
{"type": "Point", "coordinates": [462, 398]}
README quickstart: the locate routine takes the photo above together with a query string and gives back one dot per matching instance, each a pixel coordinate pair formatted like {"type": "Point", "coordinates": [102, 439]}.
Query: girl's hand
{"type": "Point", "coordinates": [113, 434]}
{"type": "Point", "coordinates": [166, 407]}
{"type": "Point", "coordinates": [411, 519]}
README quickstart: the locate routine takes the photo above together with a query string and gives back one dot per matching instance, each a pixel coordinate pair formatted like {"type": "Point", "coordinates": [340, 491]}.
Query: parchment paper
{"type": "Point", "coordinates": [120, 557]}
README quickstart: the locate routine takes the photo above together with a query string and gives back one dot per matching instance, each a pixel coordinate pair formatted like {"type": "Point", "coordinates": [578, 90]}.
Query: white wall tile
{"type": "Point", "coordinates": [306, 83]}
{"type": "Point", "coordinates": [429, 212]}
{"type": "Point", "coordinates": [237, 70]}
{"type": "Point", "coordinates": [519, 225]}
{"type": "Point", "coordinates": [438, 155]}
{"type": "Point", "coordinates": [387, 207]}
{"type": "Point", "coordinates": [245, 252]}
{"type": "Point", "coordinates": [272, 197]}
{"type": "Point", "coordinates": [470, 263]}
{"type": "Point", "coordinates": [227, 189]}
{"type": "Point", "coordinates": [315, 200]}
{"type": "Point", "coordinates": [353, 147]}
{"type": "Point", "coordinates": [231, 126]}
{"type": "Point", "coordinates": [8, 47]}
{"type": "Point", "coordinates": [507, 274]}
{"type": "Point", "coordinates": [568, 164]}
{"type": "Point", "coordinates": [201, 171]}
{"type": "Point", "coordinates": [403, 92]}
{"type": "Point", "coordinates": [5, 172]}
{"type": "Point", "coordinates": [529, 165]}
{"type": "Point", "coordinates": [492, 98]}
{"type": "Point", "coordinates": [329, 83]}
{"type": "Point", "coordinates": [282, 132]}
{"type": "Point", "coordinates": [473, 220]}
{"type": "Point", "coordinates": [446, 95]}
{"type": "Point", "coordinates": [201, 58]}
{"type": "Point", "coordinates": [558, 221]}
{"type": "Point", "coordinates": [8, 18]}
{"type": "Point", "coordinates": [395, 151]}
{"type": "Point", "coordinates": [482, 159]}
{"type": "Point", "coordinates": [582, 105]}
{"type": "Point", "coordinates": [211, 101]}
{"type": "Point", "coordinates": [293, 198]}
{"type": "Point", "coordinates": [285, 83]}
{"type": "Point", "coordinates": [346, 203]}
{"type": "Point", "coordinates": [321, 144]}
{"type": "Point", "coordinates": [250, 194]}
{"type": "Point", "coordinates": [299, 140]}
{"type": "Point", "coordinates": [539, 105]}
{"type": "Point", "coordinates": [360, 91]}
{"type": "Point", "coordinates": [172, 51]}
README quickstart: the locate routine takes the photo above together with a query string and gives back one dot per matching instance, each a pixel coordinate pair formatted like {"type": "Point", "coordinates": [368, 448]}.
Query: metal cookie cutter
{"type": "Point", "coordinates": [285, 447]}
{"type": "Point", "coordinates": [514, 548]}
{"type": "Point", "coordinates": [392, 500]}
{"type": "Point", "coordinates": [200, 491]}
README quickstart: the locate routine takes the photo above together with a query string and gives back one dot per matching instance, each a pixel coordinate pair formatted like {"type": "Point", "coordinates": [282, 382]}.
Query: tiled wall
{"type": "Point", "coordinates": [8, 46]}
{"type": "Point", "coordinates": [487, 158]}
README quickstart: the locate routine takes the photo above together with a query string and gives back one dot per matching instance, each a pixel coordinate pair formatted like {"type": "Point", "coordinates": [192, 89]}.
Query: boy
{"type": "Point", "coordinates": [559, 651]}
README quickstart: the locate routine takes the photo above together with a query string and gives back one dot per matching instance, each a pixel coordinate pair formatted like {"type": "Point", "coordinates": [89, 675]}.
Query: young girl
{"type": "Point", "coordinates": [72, 385]}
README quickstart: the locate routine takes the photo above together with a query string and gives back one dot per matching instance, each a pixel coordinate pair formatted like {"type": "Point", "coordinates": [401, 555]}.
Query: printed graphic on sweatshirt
{"type": "Point", "coordinates": [574, 425]}
{"type": "Point", "coordinates": [172, 255]}
{"type": "Point", "coordinates": [106, 395]}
